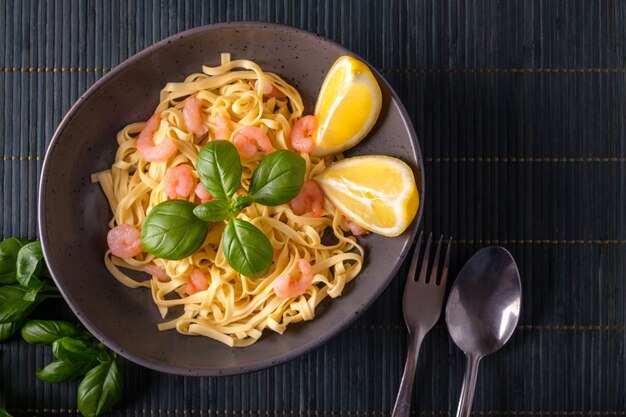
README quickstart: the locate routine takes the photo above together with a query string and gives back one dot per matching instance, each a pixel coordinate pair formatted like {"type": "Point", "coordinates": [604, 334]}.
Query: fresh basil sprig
{"type": "Point", "coordinates": [78, 355]}
{"type": "Point", "coordinates": [75, 350]}
{"type": "Point", "coordinates": [9, 248]}
{"type": "Point", "coordinates": [100, 389]}
{"type": "Point", "coordinates": [172, 231]}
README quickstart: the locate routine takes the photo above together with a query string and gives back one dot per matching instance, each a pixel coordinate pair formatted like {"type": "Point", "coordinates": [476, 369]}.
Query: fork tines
{"type": "Point", "coordinates": [434, 269]}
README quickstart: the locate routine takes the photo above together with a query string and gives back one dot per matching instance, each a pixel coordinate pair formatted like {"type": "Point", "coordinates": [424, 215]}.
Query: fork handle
{"type": "Point", "coordinates": [402, 408]}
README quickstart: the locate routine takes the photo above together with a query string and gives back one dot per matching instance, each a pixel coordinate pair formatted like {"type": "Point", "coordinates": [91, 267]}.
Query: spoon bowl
{"type": "Point", "coordinates": [482, 311]}
{"type": "Point", "coordinates": [484, 303]}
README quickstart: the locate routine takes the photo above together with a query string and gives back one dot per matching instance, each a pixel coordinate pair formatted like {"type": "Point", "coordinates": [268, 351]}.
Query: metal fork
{"type": "Point", "coordinates": [421, 306]}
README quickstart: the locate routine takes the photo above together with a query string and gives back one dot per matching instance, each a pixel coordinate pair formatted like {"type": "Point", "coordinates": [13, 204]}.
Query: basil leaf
{"type": "Point", "coordinates": [45, 332]}
{"type": "Point", "coordinates": [278, 178]}
{"type": "Point", "coordinates": [8, 329]}
{"type": "Point", "coordinates": [4, 413]}
{"type": "Point", "coordinates": [33, 290]}
{"type": "Point", "coordinates": [171, 231]}
{"type": "Point", "coordinates": [241, 203]}
{"type": "Point", "coordinates": [100, 390]}
{"type": "Point", "coordinates": [75, 350]}
{"type": "Point", "coordinates": [219, 168]}
{"type": "Point", "coordinates": [13, 307]}
{"type": "Point", "coordinates": [9, 249]}
{"type": "Point", "coordinates": [246, 248]}
{"type": "Point", "coordinates": [212, 211]}
{"type": "Point", "coordinates": [61, 370]}
{"type": "Point", "coordinates": [29, 264]}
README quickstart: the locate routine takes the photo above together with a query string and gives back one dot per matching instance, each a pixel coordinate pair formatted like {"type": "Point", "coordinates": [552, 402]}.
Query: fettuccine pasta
{"type": "Point", "coordinates": [233, 309]}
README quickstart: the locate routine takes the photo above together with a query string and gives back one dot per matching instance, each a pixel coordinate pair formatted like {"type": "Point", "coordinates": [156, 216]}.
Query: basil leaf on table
{"type": "Point", "coordinates": [212, 211]}
{"type": "Point", "coordinates": [100, 389]}
{"type": "Point", "coordinates": [8, 329]}
{"type": "Point", "coordinates": [13, 307]}
{"type": "Point", "coordinates": [61, 370]}
{"type": "Point", "coordinates": [4, 413]}
{"type": "Point", "coordinates": [29, 265]}
{"type": "Point", "coordinates": [278, 178]}
{"type": "Point", "coordinates": [171, 230]}
{"type": "Point", "coordinates": [45, 332]}
{"type": "Point", "coordinates": [247, 249]}
{"type": "Point", "coordinates": [77, 350]}
{"type": "Point", "coordinates": [9, 248]}
{"type": "Point", "coordinates": [219, 168]}
{"type": "Point", "coordinates": [31, 292]}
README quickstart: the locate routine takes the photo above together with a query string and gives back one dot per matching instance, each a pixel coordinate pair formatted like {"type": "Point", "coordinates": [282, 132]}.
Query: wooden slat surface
{"type": "Point", "coordinates": [520, 107]}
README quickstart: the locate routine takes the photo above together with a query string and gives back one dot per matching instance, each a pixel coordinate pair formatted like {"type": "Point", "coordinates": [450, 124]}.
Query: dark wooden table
{"type": "Point", "coordinates": [520, 109]}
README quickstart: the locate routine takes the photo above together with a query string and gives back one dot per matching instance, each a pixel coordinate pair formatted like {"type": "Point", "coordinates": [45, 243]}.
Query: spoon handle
{"type": "Point", "coordinates": [402, 408]}
{"type": "Point", "coordinates": [469, 384]}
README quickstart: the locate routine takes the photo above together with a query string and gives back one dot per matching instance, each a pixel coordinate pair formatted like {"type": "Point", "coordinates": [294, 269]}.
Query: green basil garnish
{"type": "Point", "coordinates": [219, 169]}
{"type": "Point", "coordinates": [212, 211]}
{"type": "Point", "coordinates": [278, 178]}
{"type": "Point", "coordinates": [62, 369]}
{"type": "Point", "coordinates": [45, 332]}
{"type": "Point", "coordinates": [246, 248]}
{"type": "Point", "coordinates": [9, 248]}
{"type": "Point", "coordinates": [240, 203]}
{"type": "Point", "coordinates": [171, 231]}
{"type": "Point", "coordinates": [100, 389]}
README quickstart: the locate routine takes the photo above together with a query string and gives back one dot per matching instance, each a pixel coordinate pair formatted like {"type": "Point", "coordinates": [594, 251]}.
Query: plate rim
{"type": "Point", "coordinates": [265, 363]}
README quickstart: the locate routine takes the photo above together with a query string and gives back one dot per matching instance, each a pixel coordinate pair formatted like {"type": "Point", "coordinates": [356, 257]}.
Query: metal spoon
{"type": "Point", "coordinates": [482, 311]}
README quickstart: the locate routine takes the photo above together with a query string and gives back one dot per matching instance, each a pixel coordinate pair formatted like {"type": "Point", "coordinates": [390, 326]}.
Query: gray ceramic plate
{"type": "Point", "coordinates": [73, 213]}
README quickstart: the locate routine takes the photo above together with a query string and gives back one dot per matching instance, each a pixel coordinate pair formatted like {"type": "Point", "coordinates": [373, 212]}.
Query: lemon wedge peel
{"type": "Point", "coordinates": [358, 83]}
{"type": "Point", "coordinates": [386, 213]}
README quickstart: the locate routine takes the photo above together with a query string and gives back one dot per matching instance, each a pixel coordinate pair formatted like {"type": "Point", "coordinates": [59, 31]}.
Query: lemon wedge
{"type": "Point", "coordinates": [376, 192]}
{"type": "Point", "coordinates": [347, 106]}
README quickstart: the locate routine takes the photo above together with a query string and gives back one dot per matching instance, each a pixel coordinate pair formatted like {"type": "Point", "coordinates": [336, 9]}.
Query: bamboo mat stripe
{"type": "Point", "coordinates": [383, 70]}
{"type": "Point", "coordinates": [520, 107]}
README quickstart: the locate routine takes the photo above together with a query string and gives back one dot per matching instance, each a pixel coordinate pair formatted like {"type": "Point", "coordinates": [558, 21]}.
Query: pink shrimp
{"type": "Point", "coordinates": [190, 289]}
{"type": "Point", "coordinates": [355, 228]}
{"type": "Point", "coordinates": [302, 134]}
{"type": "Point", "coordinates": [249, 139]}
{"type": "Point", "coordinates": [286, 286]}
{"type": "Point", "coordinates": [179, 182]}
{"type": "Point", "coordinates": [124, 241]}
{"type": "Point", "coordinates": [150, 151]}
{"type": "Point", "coordinates": [199, 282]}
{"type": "Point", "coordinates": [269, 90]}
{"type": "Point", "coordinates": [200, 279]}
{"type": "Point", "coordinates": [223, 127]}
{"type": "Point", "coordinates": [192, 116]}
{"type": "Point", "coordinates": [310, 197]}
{"type": "Point", "coordinates": [202, 193]}
{"type": "Point", "coordinates": [157, 272]}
